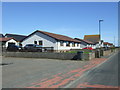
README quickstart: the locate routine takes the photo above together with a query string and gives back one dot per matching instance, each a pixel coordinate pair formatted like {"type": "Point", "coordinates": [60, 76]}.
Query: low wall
{"type": "Point", "coordinates": [105, 53]}
{"type": "Point", "coordinates": [49, 55]}
{"type": "Point", "coordinates": [63, 56]}
{"type": "Point", "coordinates": [54, 55]}
{"type": "Point", "coordinates": [88, 56]}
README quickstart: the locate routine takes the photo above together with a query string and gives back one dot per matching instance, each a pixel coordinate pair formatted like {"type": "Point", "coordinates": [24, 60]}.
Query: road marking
{"type": "Point", "coordinates": [86, 73]}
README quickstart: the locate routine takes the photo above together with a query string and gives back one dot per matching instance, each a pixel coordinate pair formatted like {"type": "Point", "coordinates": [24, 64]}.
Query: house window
{"type": "Point", "coordinates": [40, 42]}
{"type": "Point", "coordinates": [35, 42]}
{"type": "Point", "coordinates": [77, 44]}
{"type": "Point", "coordinates": [73, 44]}
{"type": "Point", "coordinates": [61, 43]}
{"type": "Point", "coordinates": [67, 43]}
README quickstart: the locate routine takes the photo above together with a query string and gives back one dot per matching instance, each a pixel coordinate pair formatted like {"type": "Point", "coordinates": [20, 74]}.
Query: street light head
{"type": "Point", "coordinates": [101, 20]}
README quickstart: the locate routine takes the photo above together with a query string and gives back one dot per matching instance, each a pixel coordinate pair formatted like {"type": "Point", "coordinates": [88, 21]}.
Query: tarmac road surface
{"type": "Point", "coordinates": [103, 76]}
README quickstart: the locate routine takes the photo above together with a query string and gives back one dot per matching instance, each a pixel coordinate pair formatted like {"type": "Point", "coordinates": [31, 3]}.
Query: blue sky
{"type": "Point", "coordinates": [74, 19]}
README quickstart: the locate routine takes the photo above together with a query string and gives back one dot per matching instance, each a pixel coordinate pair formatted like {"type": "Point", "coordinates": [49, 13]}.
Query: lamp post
{"type": "Point", "coordinates": [114, 40]}
{"type": "Point", "coordinates": [100, 31]}
{"type": "Point", "coordinates": [100, 28]}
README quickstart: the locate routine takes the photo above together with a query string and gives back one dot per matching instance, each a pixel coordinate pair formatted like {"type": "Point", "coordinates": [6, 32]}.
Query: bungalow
{"type": "Point", "coordinates": [97, 43]}
{"type": "Point", "coordinates": [111, 45]}
{"type": "Point", "coordinates": [57, 41]}
{"type": "Point", "coordinates": [7, 41]}
{"type": "Point", "coordinates": [84, 43]}
{"type": "Point", "coordinates": [106, 44]}
{"type": "Point", "coordinates": [17, 37]}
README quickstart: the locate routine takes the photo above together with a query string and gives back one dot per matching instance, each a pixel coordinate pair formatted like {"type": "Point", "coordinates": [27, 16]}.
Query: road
{"type": "Point", "coordinates": [49, 73]}
{"type": "Point", "coordinates": [103, 76]}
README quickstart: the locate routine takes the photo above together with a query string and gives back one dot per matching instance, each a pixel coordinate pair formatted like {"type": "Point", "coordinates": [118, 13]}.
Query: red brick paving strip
{"type": "Point", "coordinates": [60, 80]}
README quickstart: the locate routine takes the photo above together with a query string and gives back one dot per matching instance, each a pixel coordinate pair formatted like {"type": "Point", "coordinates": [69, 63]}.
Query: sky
{"type": "Point", "coordinates": [73, 19]}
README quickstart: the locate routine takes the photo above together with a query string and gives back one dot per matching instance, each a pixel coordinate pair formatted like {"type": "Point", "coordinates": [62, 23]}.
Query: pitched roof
{"type": "Point", "coordinates": [110, 44]}
{"type": "Point", "coordinates": [5, 39]}
{"type": "Point", "coordinates": [92, 38]}
{"type": "Point", "coordinates": [55, 36]}
{"type": "Point", "coordinates": [107, 43]}
{"type": "Point", "coordinates": [16, 36]}
{"type": "Point", "coordinates": [1, 35]}
{"type": "Point", "coordinates": [86, 41]}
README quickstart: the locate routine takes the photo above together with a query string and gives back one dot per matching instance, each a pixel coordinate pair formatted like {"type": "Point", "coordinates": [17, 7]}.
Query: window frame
{"type": "Point", "coordinates": [35, 42]}
{"type": "Point", "coordinates": [61, 43]}
{"type": "Point", "coordinates": [41, 42]}
{"type": "Point", "coordinates": [77, 44]}
{"type": "Point", "coordinates": [73, 44]}
{"type": "Point", "coordinates": [68, 44]}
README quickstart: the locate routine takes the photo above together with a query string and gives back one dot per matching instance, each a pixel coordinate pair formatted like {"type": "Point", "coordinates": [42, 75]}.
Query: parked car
{"type": "Point", "coordinates": [90, 48]}
{"type": "Point", "coordinates": [33, 47]}
{"type": "Point", "coordinates": [13, 48]}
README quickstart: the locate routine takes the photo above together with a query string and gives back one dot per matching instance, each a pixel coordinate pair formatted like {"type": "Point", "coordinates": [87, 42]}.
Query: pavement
{"type": "Point", "coordinates": [52, 73]}
{"type": "Point", "coordinates": [104, 75]}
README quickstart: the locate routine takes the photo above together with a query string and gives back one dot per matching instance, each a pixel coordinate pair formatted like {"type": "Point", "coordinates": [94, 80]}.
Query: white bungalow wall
{"type": "Point", "coordinates": [98, 45]}
{"type": "Point", "coordinates": [64, 47]}
{"type": "Point", "coordinates": [11, 41]}
{"type": "Point", "coordinates": [83, 45]}
{"type": "Point", "coordinates": [47, 41]}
